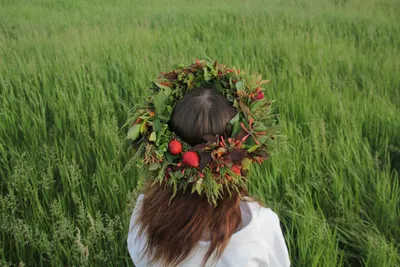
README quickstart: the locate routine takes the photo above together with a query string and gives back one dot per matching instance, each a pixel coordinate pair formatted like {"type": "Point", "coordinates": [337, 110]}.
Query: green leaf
{"type": "Point", "coordinates": [236, 104]}
{"type": "Point", "coordinates": [240, 86]}
{"type": "Point", "coordinates": [256, 105]}
{"type": "Point", "coordinates": [249, 143]}
{"type": "Point", "coordinates": [170, 158]}
{"type": "Point", "coordinates": [177, 175]}
{"type": "Point", "coordinates": [207, 76]}
{"type": "Point", "coordinates": [187, 172]}
{"type": "Point", "coordinates": [154, 166]}
{"type": "Point", "coordinates": [134, 132]}
{"type": "Point", "coordinates": [162, 136]}
{"type": "Point", "coordinates": [218, 87]}
{"type": "Point", "coordinates": [263, 139]}
{"type": "Point", "coordinates": [157, 125]}
{"type": "Point", "coordinates": [253, 148]}
{"type": "Point", "coordinates": [161, 173]}
{"type": "Point", "coordinates": [199, 186]}
{"type": "Point", "coordinates": [246, 163]}
{"type": "Point", "coordinates": [163, 117]}
{"type": "Point", "coordinates": [153, 137]}
{"type": "Point", "coordinates": [193, 189]}
{"type": "Point", "coordinates": [143, 127]}
{"type": "Point", "coordinates": [160, 100]}
{"type": "Point", "coordinates": [235, 121]}
{"type": "Point", "coordinates": [260, 127]}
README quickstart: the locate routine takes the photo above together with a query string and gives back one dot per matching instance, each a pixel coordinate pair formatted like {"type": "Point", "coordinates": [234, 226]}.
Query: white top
{"type": "Point", "coordinates": [258, 243]}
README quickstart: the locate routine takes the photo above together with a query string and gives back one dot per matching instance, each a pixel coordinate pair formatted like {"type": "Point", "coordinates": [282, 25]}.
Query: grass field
{"type": "Point", "coordinates": [71, 70]}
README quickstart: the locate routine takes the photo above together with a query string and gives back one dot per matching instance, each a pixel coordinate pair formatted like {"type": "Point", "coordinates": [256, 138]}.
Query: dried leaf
{"type": "Point", "coordinates": [240, 135]}
{"type": "Point", "coordinates": [237, 155]}
{"type": "Point", "coordinates": [161, 85]}
{"type": "Point", "coordinates": [211, 138]}
{"type": "Point", "coordinates": [198, 147]}
{"type": "Point", "coordinates": [205, 159]}
{"type": "Point", "coordinates": [259, 78]}
{"type": "Point", "coordinates": [171, 75]}
{"type": "Point", "coordinates": [245, 109]}
{"type": "Point", "coordinates": [264, 82]}
{"type": "Point", "coordinates": [218, 153]}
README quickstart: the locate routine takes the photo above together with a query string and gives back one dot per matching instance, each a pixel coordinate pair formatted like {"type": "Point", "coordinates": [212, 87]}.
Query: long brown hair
{"type": "Point", "coordinates": [173, 227]}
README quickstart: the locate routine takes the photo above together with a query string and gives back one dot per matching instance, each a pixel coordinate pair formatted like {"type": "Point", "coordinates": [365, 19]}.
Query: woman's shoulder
{"type": "Point", "coordinates": [140, 198]}
{"type": "Point", "coordinates": [259, 221]}
{"type": "Point", "coordinates": [136, 211]}
{"type": "Point", "coordinates": [258, 211]}
{"type": "Point", "coordinates": [263, 235]}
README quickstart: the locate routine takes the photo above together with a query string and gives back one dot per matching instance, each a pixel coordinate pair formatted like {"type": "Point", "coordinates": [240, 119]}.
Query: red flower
{"type": "Point", "coordinates": [260, 96]}
{"type": "Point", "coordinates": [174, 147]}
{"type": "Point", "coordinates": [191, 159]}
{"type": "Point", "coordinates": [234, 143]}
{"type": "Point", "coordinates": [258, 159]}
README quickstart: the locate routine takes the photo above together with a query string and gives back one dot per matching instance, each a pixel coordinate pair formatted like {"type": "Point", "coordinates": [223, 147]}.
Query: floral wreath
{"type": "Point", "coordinates": [219, 163]}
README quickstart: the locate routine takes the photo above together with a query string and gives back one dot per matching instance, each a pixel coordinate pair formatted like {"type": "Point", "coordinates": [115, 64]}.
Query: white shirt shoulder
{"type": "Point", "coordinates": [259, 243]}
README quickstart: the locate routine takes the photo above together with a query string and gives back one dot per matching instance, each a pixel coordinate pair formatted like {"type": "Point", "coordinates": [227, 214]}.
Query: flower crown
{"type": "Point", "coordinates": [219, 163]}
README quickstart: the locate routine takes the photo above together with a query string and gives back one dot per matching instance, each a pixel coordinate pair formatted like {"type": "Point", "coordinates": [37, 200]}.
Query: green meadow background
{"type": "Point", "coordinates": [71, 70]}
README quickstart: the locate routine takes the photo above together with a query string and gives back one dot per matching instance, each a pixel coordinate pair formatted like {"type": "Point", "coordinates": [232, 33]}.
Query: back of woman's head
{"type": "Point", "coordinates": [201, 112]}
{"type": "Point", "coordinates": [174, 226]}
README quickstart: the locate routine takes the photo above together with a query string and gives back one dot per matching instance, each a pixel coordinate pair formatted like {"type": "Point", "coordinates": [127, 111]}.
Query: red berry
{"type": "Point", "coordinates": [139, 120]}
{"type": "Point", "coordinates": [236, 169]}
{"type": "Point", "coordinates": [191, 159]}
{"type": "Point", "coordinates": [174, 147]}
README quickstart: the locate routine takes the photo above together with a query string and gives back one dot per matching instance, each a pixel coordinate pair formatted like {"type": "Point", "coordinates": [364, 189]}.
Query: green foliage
{"type": "Point", "coordinates": [70, 71]}
{"type": "Point", "coordinates": [134, 132]}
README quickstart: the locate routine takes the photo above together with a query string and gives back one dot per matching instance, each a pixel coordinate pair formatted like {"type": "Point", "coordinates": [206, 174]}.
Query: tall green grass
{"type": "Point", "coordinates": [71, 70]}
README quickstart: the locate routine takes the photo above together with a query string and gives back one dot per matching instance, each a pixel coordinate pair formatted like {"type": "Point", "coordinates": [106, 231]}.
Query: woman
{"type": "Point", "coordinates": [180, 228]}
